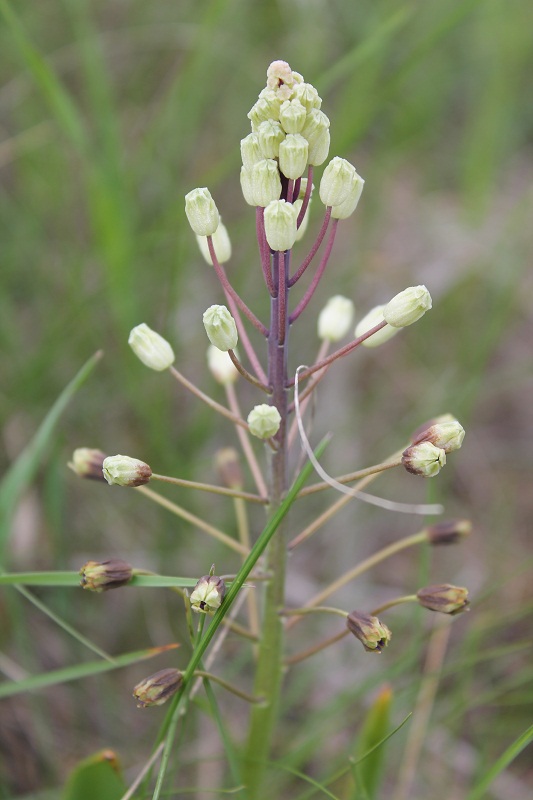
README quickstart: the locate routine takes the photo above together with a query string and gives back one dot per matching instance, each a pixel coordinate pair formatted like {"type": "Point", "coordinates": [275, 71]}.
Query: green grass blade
{"type": "Point", "coordinates": [73, 579]}
{"type": "Point", "coordinates": [501, 763]}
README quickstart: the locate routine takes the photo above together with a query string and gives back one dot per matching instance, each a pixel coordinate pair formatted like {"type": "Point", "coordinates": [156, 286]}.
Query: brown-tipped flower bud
{"type": "Point", "coordinates": [433, 421]}
{"type": "Point", "coordinates": [126, 471]}
{"type": "Point", "coordinates": [448, 531]}
{"type": "Point", "coordinates": [99, 576]}
{"type": "Point", "coordinates": [229, 468]}
{"type": "Point", "coordinates": [87, 463]}
{"type": "Point", "coordinates": [447, 435]}
{"type": "Point", "coordinates": [373, 634]}
{"type": "Point", "coordinates": [443, 597]}
{"type": "Point", "coordinates": [208, 594]}
{"type": "Point", "coordinates": [424, 459]}
{"type": "Point", "coordinates": [158, 688]}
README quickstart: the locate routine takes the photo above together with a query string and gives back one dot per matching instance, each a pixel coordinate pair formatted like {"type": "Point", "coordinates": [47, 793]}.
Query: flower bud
{"type": "Point", "coordinates": [316, 131]}
{"type": "Point", "coordinates": [443, 597]}
{"type": "Point", "coordinates": [221, 366]}
{"type": "Point", "coordinates": [265, 182]}
{"type": "Point", "coordinates": [202, 212]}
{"type": "Point", "coordinates": [292, 116]}
{"type": "Point", "coordinates": [335, 318]}
{"type": "Point", "coordinates": [407, 306]}
{"type": "Point", "coordinates": [307, 95]}
{"type": "Point", "coordinates": [264, 421]}
{"type": "Point", "coordinates": [158, 688]}
{"type": "Point", "coordinates": [369, 321]}
{"type": "Point", "coordinates": [125, 471]}
{"type": "Point", "coordinates": [280, 224]}
{"type": "Point", "coordinates": [293, 153]}
{"type": "Point", "coordinates": [424, 459]}
{"type": "Point", "coordinates": [229, 468]}
{"type": "Point", "coordinates": [154, 351]}
{"type": "Point", "coordinates": [373, 634]}
{"type": "Point", "coordinates": [247, 186]}
{"type": "Point", "coordinates": [348, 206]}
{"type": "Point", "coordinates": [433, 421]}
{"type": "Point", "coordinates": [300, 233]}
{"type": "Point", "coordinates": [87, 463]}
{"type": "Point", "coordinates": [270, 134]}
{"type": "Point", "coordinates": [446, 435]}
{"type": "Point", "coordinates": [99, 576]}
{"type": "Point", "coordinates": [208, 594]}
{"type": "Point", "coordinates": [264, 109]}
{"type": "Point", "coordinates": [337, 181]}
{"type": "Point", "coordinates": [220, 327]}
{"type": "Point", "coordinates": [221, 244]}
{"type": "Point", "coordinates": [250, 150]}
{"type": "Point", "coordinates": [281, 79]}
{"type": "Point", "coordinates": [449, 531]}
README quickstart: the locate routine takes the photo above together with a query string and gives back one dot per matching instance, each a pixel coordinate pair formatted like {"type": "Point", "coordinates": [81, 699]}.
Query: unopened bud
{"type": "Point", "coordinates": [100, 576]}
{"type": "Point", "coordinates": [316, 131]}
{"type": "Point", "coordinates": [348, 206]}
{"type": "Point", "coordinates": [280, 224]}
{"type": "Point", "coordinates": [208, 594]}
{"type": "Point", "coordinates": [373, 634]}
{"type": "Point", "coordinates": [337, 181]}
{"type": "Point", "coordinates": [292, 116]}
{"type": "Point", "coordinates": [424, 459]}
{"type": "Point", "coordinates": [87, 463]}
{"type": "Point", "coordinates": [158, 688]}
{"type": "Point", "coordinates": [280, 78]}
{"type": "Point", "coordinates": [369, 321]}
{"type": "Point", "coordinates": [447, 435]}
{"type": "Point", "coordinates": [264, 421]}
{"type": "Point", "coordinates": [433, 421]}
{"type": "Point", "coordinates": [266, 107]}
{"type": "Point", "coordinates": [229, 468]}
{"type": "Point", "coordinates": [307, 96]}
{"type": "Point", "coordinates": [221, 366]}
{"type": "Point", "coordinates": [265, 182]}
{"type": "Point", "coordinates": [407, 306]}
{"type": "Point", "coordinates": [220, 327]}
{"type": "Point", "coordinates": [293, 153]}
{"type": "Point", "coordinates": [335, 318]}
{"type": "Point", "coordinates": [443, 597]}
{"type": "Point", "coordinates": [154, 351]}
{"type": "Point", "coordinates": [449, 531]}
{"type": "Point", "coordinates": [250, 150]}
{"type": "Point", "coordinates": [202, 212]}
{"type": "Point", "coordinates": [270, 135]}
{"type": "Point", "coordinates": [125, 471]}
{"type": "Point", "coordinates": [221, 245]}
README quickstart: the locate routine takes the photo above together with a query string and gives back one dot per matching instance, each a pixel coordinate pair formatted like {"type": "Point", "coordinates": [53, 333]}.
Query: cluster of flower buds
{"type": "Point", "coordinates": [208, 594]}
{"type": "Point", "coordinates": [427, 454]}
{"type": "Point", "coordinates": [100, 576]}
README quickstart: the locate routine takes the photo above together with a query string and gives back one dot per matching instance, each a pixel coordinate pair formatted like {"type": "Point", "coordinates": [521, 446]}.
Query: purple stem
{"type": "Point", "coordinates": [283, 259]}
{"type": "Point", "coordinates": [264, 250]}
{"type": "Point", "coordinates": [318, 274]}
{"type": "Point", "coordinates": [243, 337]}
{"type": "Point", "coordinates": [308, 190]}
{"type": "Point", "coordinates": [298, 274]}
{"type": "Point", "coordinates": [295, 193]}
{"type": "Point", "coordinates": [245, 374]}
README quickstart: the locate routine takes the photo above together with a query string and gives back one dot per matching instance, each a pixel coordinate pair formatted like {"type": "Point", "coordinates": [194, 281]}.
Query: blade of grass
{"type": "Point", "coordinates": [501, 763]}
{"type": "Point", "coordinates": [73, 579]}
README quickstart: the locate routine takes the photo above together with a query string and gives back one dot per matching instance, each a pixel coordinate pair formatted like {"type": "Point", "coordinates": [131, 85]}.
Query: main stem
{"type": "Point", "coordinates": [270, 656]}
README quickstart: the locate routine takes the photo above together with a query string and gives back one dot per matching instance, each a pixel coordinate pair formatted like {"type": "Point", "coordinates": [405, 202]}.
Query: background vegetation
{"type": "Point", "coordinates": [109, 113]}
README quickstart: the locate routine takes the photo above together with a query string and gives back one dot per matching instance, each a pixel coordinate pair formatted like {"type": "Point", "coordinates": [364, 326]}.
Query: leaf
{"type": "Point", "coordinates": [98, 776]}
{"type": "Point", "coordinates": [373, 732]}
{"type": "Point", "coordinates": [501, 763]}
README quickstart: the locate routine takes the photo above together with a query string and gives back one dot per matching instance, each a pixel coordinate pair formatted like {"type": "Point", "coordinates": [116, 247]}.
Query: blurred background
{"type": "Point", "coordinates": [109, 113]}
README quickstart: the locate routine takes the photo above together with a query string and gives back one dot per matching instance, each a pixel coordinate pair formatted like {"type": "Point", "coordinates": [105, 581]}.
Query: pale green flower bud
{"type": "Point", "coordinates": [336, 182]}
{"type": "Point", "coordinates": [443, 597]}
{"type": "Point", "coordinates": [316, 131]}
{"type": "Point", "coordinates": [125, 471]}
{"type": "Point", "coordinates": [158, 688]}
{"type": "Point", "coordinates": [348, 206]}
{"type": "Point", "coordinates": [371, 632]}
{"type": "Point", "coordinates": [369, 321]}
{"type": "Point", "coordinates": [154, 351]}
{"type": "Point", "coordinates": [307, 95]}
{"type": "Point", "coordinates": [407, 306]}
{"type": "Point", "coordinates": [280, 224]}
{"type": "Point", "coordinates": [293, 153]}
{"type": "Point", "coordinates": [300, 233]}
{"type": "Point", "coordinates": [208, 594]}
{"type": "Point", "coordinates": [424, 459]}
{"type": "Point", "coordinates": [335, 318]}
{"type": "Point", "coordinates": [247, 185]}
{"type": "Point", "coordinates": [221, 243]}
{"type": "Point", "coordinates": [221, 366]}
{"type": "Point", "coordinates": [202, 212]}
{"type": "Point", "coordinates": [266, 107]}
{"type": "Point", "coordinates": [220, 328]}
{"type": "Point", "coordinates": [266, 182]}
{"type": "Point", "coordinates": [87, 463]}
{"type": "Point", "coordinates": [250, 150]}
{"type": "Point", "coordinates": [446, 435]}
{"type": "Point", "coordinates": [100, 576]}
{"type": "Point", "coordinates": [264, 421]}
{"type": "Point", "coordinates": [292, 116]}
{"type": "Point", "coordinates": [270, 134]}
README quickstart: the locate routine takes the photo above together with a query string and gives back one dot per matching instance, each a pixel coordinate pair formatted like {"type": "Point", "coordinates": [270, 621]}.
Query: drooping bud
{"type": "Point", "coordinates": [100, 576]}
{"type": "Point", "coordinates": [447, 435]}
{"type": "Point", "coordinates": [348, 206]}
{"type": "Point", "coordinates": [407, 306]}
{"type": "Point", "coordinates": [337, 181]}
{"type": "Point", "coordinates": [335, 318]}
{"type": "Point", "coordinates": [443, 597]}
{"type": "Point", "coordinates": [229, 468]}
{"type": "Point", "coordinates": [220, 327]}
{"type": "Point", "coordinates": [292, 116]}
{"type": "Point", "coordinates": [208, 594]}
{"type": "Point", "coordinates": [154, 351]}
{"type": "Point", "coordinates": [87, 463]}
{"type": "Point", "coordinates": [449, 531]}
{"type": "Point", "coordinates": [280, 224]}
{"type": "Point", "coordinates": [424, 459]}
{"type": "Point", "coordinates": [250, 150]}
{"type": "Point", "coordinates": [293, 153]}
{"type": "Point", "coordinates": [265, 182]}
{"type": "Point", "coordinates": [221, 244]}
{"type": "Point", "coordinates": [373, 634]}
{"type": "Point", "coordinates": [307, 95]}
{"type": "Point", "coordinates": [221, 366]}
{"type": "Point", "coordinates": [264, 421]}
{"type": "Point", "coordinates": [158, 688]}
{"type": "Point", "coordinates": [125, 471]}
{"type": "Point", "coordinates": [369, 321]}
{"type": "Point", "coordinates": [316, 131]}
{"type": "Point", "coordinates": [270, 135]}
{"type": "Point", "coordinates": [202, 212]}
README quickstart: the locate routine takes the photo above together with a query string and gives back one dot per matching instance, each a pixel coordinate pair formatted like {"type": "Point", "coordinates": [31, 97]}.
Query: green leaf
{"type": "Point", "coordinates": [501, 763]}
{"type": "Point", "coordinates": [98, 776]}
{"type": "Point", "coordinates": [374, 730]}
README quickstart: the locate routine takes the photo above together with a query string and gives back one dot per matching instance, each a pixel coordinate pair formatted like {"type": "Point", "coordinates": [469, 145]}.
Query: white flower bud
{"type": "Point", "coordinates": [292, 116]}
{"type": "Point", "coordinates": [307, 95]}
{"type": "Point", "coordinates": [270, 134]}
{"type": "Point", "coordinates": [336, 182]}
{"type": "Point", "coordinates": [154, 351]}
{"type": "Point", "coordinates": [407, 306]}
{"type": "Point", "coordinates": [247, 185]}
{"type": "Point", "coordinates": [125, 471]}
{"type": "Point", "coordinates": [266, 182]}
{"type": "Point", "coordinates": [348, 206]}
{"type": "Point", "coordinates": [221, 243]}
{"type": "Point", "coordinates": [424, 459]}
{"type": "Point", "coordinates": [220, 327]}
{"type": "Point", "coordinates": [202, 212]}
{"type": "Point", "coordinates": [221, 366]}
{"type": "Point", "coordinates": [264, 421]}
{"type": "Point", "coordinates": [335, 318]}
{"type": "Point", "coordinates": [316, 131]}
{"type": "Point", "coordinates": [293, 153]}
{"type": "Point", "coordinates": [279, 73]}
{"type": "Point", "coordinates": [300, 233]}
{"type": "Point", "coordinates": [267, 107]}
{"type": "Point", "coordinates": [250, 150]}
{"type": "Point", "coordinates": [447, 435]}
{"type": "Point", "coordinates": [280, 224]}
{"type": "Point", "coordinates": [369, 321]}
